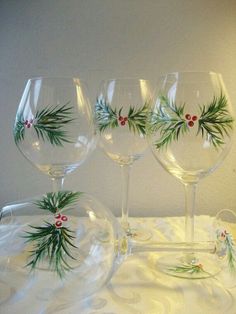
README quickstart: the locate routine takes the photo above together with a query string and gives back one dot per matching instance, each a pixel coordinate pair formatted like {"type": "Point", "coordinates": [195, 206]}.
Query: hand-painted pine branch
{"type": "Point", "coordinates": [52, 244]}
{"type": "Point", "coordinates": [169, 121]}
{"type": "Point", "coordinates": [215, 121]}
{"type": "Point", "coordinates": [231, 252]}
{"type": "Point", "coordinates": [48, 124]}
{"type": "Point", "coordinates": [137, 119]}
{"type": "Point", "coordinates": [19, 128]}
{"type": "Point", "coordinates": [188, 268]}
{"type": "Point", "coordinates": [105, 116]}
{"type": "Point", "coordinates": [225, 248]}
{"type": "Point", "coordinates": [50, 121]}
{"type": "Point", "coordinates": [57, 201]}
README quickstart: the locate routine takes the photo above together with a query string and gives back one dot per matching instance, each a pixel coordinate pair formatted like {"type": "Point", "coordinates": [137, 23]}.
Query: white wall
{"type": "Point", "coordinates": [98, 39]}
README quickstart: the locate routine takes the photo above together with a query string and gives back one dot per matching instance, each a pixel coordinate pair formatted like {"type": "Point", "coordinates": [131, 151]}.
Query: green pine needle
{"type": "Point", "coordinates": [48, 124]}
{"type": "Point", "coordinates": [52, 244]}
{"type": "Point", "coordinates": [231, 252]}
{"type": "Point", "coordinates": [137, 119]}
{"type": "Point", "coordinates": [188, 268]}
{"type": "Point", "coordinates": [169, 121]}
{"type": "Point", "coordinates": [55, 201]}
{"type": "Point", "coordinates": [215, 121]}
{"type": "Point", "coordinates": [105, 116]}
{"type": "Point", "coordinates": [19, 129]}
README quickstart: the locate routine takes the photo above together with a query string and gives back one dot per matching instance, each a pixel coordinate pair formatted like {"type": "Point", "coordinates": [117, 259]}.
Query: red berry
{"type": "Point", "coordinates": [64, 218]}
{"type": "Point", "coordinates": [125, 119]}
{"type": "Point", "coordinates": [194, 118]}
{"type": "Point", "coordinates": [121, 118]}
{"type": "Point", "coordinates": [58, 216]}
{"type": "Point", "coordinates": [58, 224]}
{"type": "Point", "coordinates": [26, 122]}
{"type": "Point", "coordinates": [188, 116]}
{"type": "Point", "coordinates": [28, 125]}
{"type": "Point", "coordinates": [122, 122]}
{"type": "Point", "coordinates": [191, 124]}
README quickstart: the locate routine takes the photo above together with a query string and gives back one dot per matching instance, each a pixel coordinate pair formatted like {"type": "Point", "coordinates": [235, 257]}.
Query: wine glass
{"type": "Point", "coordinates": [54, 126]}
{"type": "Point", "coordinates": [121, 112]}
{"type": "Point", "coordinates": [189, 131]}
{"type": "Point", "coordinates": [78, 257]}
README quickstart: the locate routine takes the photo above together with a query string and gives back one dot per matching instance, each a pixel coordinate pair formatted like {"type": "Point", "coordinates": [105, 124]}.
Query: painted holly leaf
{"type": "Point", "coordinates": [48, 124]}
{"type": "Point", "coordinates": [52, 243]}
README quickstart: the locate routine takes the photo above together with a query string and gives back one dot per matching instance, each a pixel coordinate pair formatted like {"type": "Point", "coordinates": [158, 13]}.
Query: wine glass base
{"type": "Point", "coordinates": [189, 266]}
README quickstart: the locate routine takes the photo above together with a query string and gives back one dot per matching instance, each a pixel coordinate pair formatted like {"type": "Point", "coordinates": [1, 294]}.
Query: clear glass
{"type": "Point", "coordinates": [80, 266]}
{"type": "Point", "coordinates": [121, 112]}
{"type": "Point", "coordinates": [54, 126]}
{"type": "Point", "coordinates": [190, 134]}
{"type": "Point", "coordinates": [225, 228]}
{"type": "Point", "coordinates": [76, 247]}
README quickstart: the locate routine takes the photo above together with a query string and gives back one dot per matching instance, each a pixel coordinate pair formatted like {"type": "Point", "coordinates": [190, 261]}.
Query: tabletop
{"type": "Point", "coordinates": [138, 287]}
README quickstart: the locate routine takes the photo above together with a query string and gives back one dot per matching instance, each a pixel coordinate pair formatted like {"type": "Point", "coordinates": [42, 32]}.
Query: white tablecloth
{"type": "Point", "coordinates": [137, 287]}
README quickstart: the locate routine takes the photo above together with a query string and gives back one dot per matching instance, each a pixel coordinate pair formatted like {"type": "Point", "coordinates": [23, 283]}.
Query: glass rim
{"type": "Point", "coordinates": [125, 78]}
{"type": "Point", "coordinates": [192, 72]}
{"type": "Point", "coordinates": [171, 76]}
{"type": "Point", "coordinates": [73, 78]}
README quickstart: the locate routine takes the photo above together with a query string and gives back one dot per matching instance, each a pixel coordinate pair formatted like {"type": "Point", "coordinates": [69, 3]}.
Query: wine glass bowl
{"type": "Point", "coordinates": [190, 133]}
{"type": "Point", "coordinates": [53, 127]}
{"type": "Point", "coordinates": [75, 248]}
{"type": "Point", "coordinates": [120, 115]}
{"type": "Point", "coordinates": [196, 121]}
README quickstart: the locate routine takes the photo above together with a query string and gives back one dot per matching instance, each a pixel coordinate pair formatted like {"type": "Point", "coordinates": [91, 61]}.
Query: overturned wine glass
{"type": "Point", "coordinates": [74, 242]}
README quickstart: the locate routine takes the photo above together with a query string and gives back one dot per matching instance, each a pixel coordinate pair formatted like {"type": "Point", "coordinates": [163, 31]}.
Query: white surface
{"type": "Point", "coordinates": [98, 39]}
{"type": "Point", "coordinates": [137, 287]}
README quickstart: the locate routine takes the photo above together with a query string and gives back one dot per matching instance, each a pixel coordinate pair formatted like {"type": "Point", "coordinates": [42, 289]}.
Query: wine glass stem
{"type": "Point", "coordinates": [125, 169]}
{"type": "Point", "coordinates": [190, 191]}
{"type": "Point", "coordinates": [57, 184]}
{"type": "Point", "coordinates": [206, 247]}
